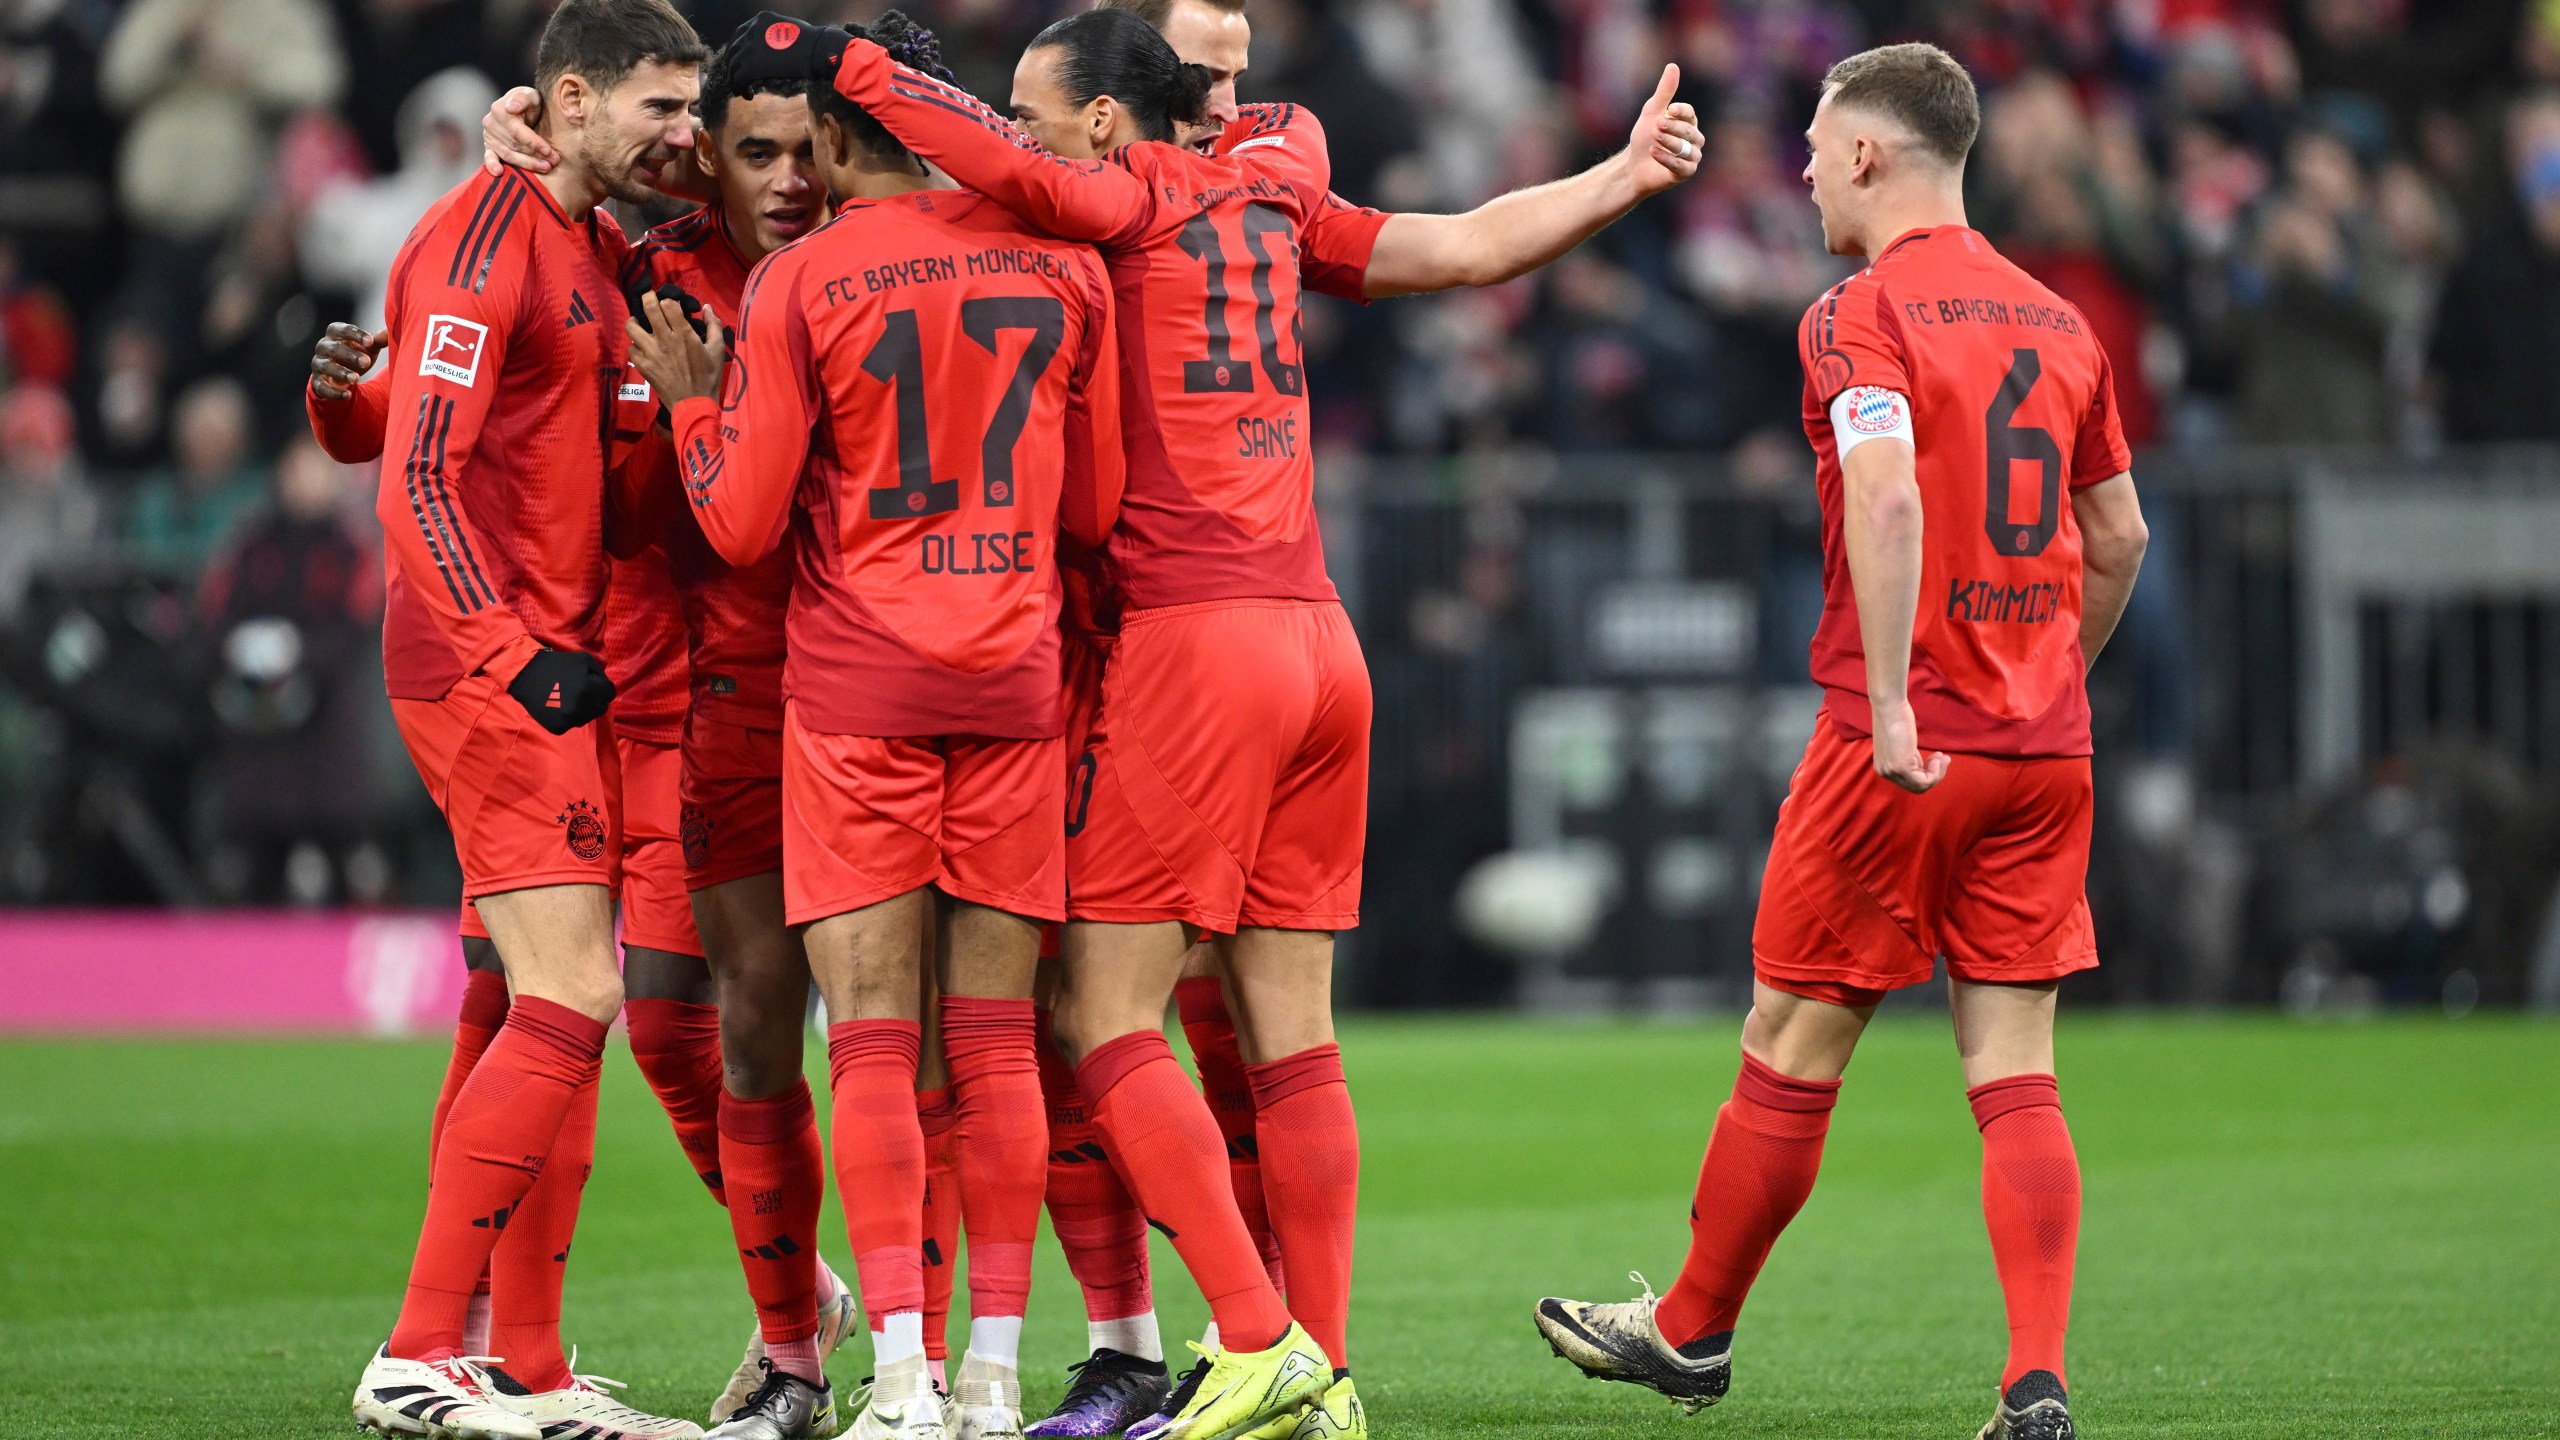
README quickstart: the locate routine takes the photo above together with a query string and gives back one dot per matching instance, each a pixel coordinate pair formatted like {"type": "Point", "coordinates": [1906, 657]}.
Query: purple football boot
{"type": "Point", "coordinates": [1183, 1393]}
{"type": "Point", "coordinates": [1110, 1393]}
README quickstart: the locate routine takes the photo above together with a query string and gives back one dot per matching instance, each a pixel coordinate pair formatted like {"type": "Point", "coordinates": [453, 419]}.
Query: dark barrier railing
{"type": "Point", "coordinates": [2327, 733]}
{"type": "Point", "coordinates": [1601, 658]}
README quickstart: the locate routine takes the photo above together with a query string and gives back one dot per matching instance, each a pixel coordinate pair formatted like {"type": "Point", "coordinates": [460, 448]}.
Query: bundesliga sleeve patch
{"type": "Point", "coordinates": [1870, 412]}
{"type": "Point", "coordinates": [453, 349]}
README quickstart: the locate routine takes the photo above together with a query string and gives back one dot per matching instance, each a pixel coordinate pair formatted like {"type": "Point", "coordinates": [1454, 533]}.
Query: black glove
{"type": "Point", "coordinates": [772, 48]}
{"type": "Point", "coordinates": [562, 689]}
{"type": "Point", "coordinates": [691, 307]}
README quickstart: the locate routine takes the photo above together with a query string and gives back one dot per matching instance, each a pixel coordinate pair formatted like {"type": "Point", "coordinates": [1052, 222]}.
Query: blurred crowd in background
{"type": "Point", "coordinates": [2330, 222]}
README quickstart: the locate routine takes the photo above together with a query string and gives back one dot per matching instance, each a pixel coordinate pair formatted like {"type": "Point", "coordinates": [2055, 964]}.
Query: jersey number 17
{"type": "Point", "coordinates": [897, 358]}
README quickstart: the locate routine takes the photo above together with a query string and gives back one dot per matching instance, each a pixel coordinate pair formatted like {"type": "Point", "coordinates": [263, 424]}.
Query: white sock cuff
{"type": "Point", "coordinates": [900, 1337]}
{"type": "Point", "coordinates": [1130, 1335]}
{"type": "Point", "coordinates": [997, 1338]}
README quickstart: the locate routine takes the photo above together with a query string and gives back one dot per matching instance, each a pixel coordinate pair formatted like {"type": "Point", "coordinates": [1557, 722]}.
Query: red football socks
{"type": "Point", "coordinates": [2031, 1202]}
{"type": "Point", "coordinates": [484, 1009]}
{"type": "Point", "coordinates": [939, 1116]}
{"type": "Point", "coordinates": [1097, 1224]}
{"type": "Point", "coordinates": [879, 1159]}
{"type": "Point", "coordinates": [677, 1044]}
{"type": "Point", "coordinates": [771, 1161]}
{"type": "Point", "coordinates": [502, 1126]}
{"type": "Point", "coordinates": [1311, 1165]}
{"type": "Point", "coordinates": [1152, 1119]}
{"type": "Point", "coordinates": [1003, 1142]}
{"type": "Point", "coordinates": [530, 1266]}
{"type": "Point", "coordinates": [1211, 1031]}
{"type": "Point", "coordinates": [1760, 1166]}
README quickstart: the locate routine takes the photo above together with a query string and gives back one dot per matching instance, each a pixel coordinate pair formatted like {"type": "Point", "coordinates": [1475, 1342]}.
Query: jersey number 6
{"type": "Point", "coordinates": [1222, 372]}
{"type": "Point", "coordinates": [897, 358]}
{"type": "Point", "coordinates": [2005, 445]}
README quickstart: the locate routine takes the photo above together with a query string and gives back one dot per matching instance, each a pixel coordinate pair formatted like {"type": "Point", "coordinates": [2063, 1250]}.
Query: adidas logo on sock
{"type": "Point", "coordinates": [773, 1249]}
{"type": "Point", "coordinates": [496, 1221]}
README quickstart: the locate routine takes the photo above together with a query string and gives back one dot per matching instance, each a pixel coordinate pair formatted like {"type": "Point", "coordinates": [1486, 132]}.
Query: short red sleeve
{"type": "Point", "coordinates": [2100, 453]}
{"type": "Point", "coordinates": [1335, 246]}
{"type": "Point", "coordinates": [1852, 337]}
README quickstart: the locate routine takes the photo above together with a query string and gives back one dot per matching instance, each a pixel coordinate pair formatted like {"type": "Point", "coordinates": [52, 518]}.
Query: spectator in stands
{"type": "Point", "coordinates": [2497, 343]}
{"type": "Point", "coordinates": [2317, 291]}
{"type": "Point", "coordinates": [2069, 198]}
{"type": "Point", "coordinates": [207, 82]}
{"type": "Point", "coordinates": [352, 232]}
{"type": "Point", "coordinates": [48, 514]}
{"type": "Point", "coordinates": [288, 612]}
{"type": "Point", "coordinates": [1749, 247]}
{"type": "Point", "coordinates": [1465, 68]}
{"type": "Point", "coordinates": [180, 515]}
{"type": "Point", "coordinates": [37, 344]}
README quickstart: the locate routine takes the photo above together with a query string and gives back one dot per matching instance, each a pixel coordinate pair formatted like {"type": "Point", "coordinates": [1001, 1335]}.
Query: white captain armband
{"type": "Point", "coordinates": [1870, 412]}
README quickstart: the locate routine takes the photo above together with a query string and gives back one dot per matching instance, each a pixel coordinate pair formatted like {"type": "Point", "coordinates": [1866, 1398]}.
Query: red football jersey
{"type": "Point", "coordinates": [507, 348]}
{"type": "Point", "coordinates": [732, 615]}
{"type": "Point", "coordinates": [935, 383]}
{"type": "Point", "coordinates": [1335, 243]}
{"type": "Point", "coordinates": [2011, 400]}
{"type": "Point", "coordinates": [1203, 254]}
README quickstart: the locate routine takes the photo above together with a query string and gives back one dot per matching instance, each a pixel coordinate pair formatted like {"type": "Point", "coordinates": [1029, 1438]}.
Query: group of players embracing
{"type": "Point", "coordinates": [900, 573]}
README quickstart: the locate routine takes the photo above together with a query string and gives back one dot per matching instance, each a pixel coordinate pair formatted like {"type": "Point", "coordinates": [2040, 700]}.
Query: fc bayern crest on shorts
{"type": "Point", "coordinates": [694, 831]}
{"type": "Point", "coordinates": [584, 830]}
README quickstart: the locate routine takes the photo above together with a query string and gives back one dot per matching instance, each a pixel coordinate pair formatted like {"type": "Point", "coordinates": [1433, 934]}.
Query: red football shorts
{"type": "Point", "coordinates": [526, 807]}
{"type": "Point", "coordinates": [657, 914]}
{"type": "Point", "coordinates": [1229, 782]}
{"type": "Point", "coordinates": [732, 819]}
{"type": "Point", "coordinates": [1868, 884]}
{"type": "Point", "coordinates": [868, 818]}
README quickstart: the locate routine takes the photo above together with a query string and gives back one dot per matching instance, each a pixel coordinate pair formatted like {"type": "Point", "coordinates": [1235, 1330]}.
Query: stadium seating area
{"type": "Point", "coordinates": [2324, 223]}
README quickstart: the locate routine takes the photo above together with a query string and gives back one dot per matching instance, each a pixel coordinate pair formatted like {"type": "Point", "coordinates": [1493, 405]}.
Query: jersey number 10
{"type": "Point", "coordinates": [2004, 445]}
{"type": "Point", "coordinates": [897, 358]}
{"type": "Point", "coordinates": [1222, 372]}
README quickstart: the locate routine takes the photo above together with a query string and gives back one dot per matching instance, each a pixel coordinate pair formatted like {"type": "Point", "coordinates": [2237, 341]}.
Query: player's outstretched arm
{"type": "Point", "coordinates": [1511, 235]}
{"type": "Point", "coordinates": [2112, 539]}
{"type": "Point", "coordinates": [1881, 521]}
{"type": "Point", "coordinates": [1091, 200]}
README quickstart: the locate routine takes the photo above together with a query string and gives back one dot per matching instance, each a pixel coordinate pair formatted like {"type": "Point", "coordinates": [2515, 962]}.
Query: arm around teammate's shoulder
{"type": "Point", "coordinates": [1090, 200]}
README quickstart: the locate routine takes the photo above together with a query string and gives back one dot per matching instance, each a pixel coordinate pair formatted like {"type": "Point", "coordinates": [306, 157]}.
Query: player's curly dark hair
{"type": "Point", "coordinates": [908, 43]}
{"type": "Point", "coordinates": [1114, 53]}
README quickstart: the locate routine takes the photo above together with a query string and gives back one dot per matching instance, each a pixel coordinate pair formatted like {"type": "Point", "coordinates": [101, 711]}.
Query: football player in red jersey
{"type": "Point", "coordinates": [757, 151]}
{"type": "Point", "coordinates": [507, 297]}
{"type": "Point", "coordinates": [1981, 537]}
{"type": "Point", "coordinates": [1224, 796]}
{"type": "Point", "coordinates": [727, 633]}
{"type": "Point", "coordinates": [935, 384]}
{"type": "Point", "coordinates": [1353, 253]}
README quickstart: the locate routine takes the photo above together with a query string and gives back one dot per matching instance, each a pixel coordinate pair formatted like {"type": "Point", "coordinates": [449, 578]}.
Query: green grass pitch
{"type": "Point", "coordinates": [2292, 1230]}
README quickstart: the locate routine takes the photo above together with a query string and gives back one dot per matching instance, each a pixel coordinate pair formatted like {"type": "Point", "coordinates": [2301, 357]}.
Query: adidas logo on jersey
{"type": "Point", "coordinates": [579, 314]}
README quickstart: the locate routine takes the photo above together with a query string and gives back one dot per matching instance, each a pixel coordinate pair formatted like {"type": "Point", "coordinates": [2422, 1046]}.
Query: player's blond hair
{"type": "Point", "coordinates": [1920, 87]}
